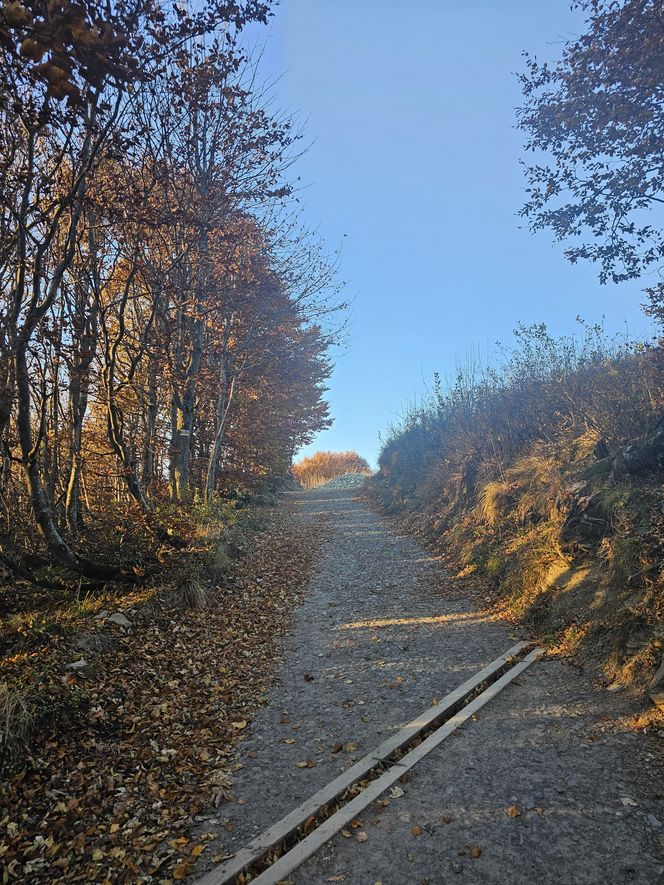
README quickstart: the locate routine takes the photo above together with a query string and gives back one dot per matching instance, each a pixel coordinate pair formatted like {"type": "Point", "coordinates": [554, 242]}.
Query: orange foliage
{"type": "Point", "coordinates": [324, 466]}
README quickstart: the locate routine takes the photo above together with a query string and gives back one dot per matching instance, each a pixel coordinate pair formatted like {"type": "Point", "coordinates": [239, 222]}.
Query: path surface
{"type": "Point", "coordinates": [378, 637]}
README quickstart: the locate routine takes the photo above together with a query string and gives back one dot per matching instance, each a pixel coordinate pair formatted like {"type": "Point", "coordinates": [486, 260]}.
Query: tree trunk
{"type": "Point", "coordinates": [40, 505]}
{"type": "Point", "coordinates": [224, 402]}
{"type": "Point", "coordinates": [147, 468]}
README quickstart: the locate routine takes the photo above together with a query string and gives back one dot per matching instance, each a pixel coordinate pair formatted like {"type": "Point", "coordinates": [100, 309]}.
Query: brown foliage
{"type": "Point", "coordinates": [142, 738]}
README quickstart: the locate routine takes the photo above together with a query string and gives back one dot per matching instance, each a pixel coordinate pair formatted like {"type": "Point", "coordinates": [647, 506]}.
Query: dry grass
{"type": "Point", "coordinates": [508, 473]}
{"type": "Point", "coordinates": [17, 717]}
{"type": "Point", "coordinates": [192, 592]}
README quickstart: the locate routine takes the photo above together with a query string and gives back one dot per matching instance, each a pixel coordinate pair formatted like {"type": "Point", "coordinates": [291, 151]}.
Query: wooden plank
{"type": "Point", "coordinates": [308, 846]}
{"type": "Point", "coordinates": [227, 872]}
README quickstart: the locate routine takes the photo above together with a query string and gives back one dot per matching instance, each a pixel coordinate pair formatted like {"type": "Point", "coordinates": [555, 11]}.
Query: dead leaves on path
{"type": "Point", "coordinates": [112, 794]}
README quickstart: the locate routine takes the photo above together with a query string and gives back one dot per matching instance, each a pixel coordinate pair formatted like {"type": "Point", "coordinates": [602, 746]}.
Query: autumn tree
{"type": "Point", "coordinates": [160, 318]}
{"type": "Point", "coordinates": [594, 122]}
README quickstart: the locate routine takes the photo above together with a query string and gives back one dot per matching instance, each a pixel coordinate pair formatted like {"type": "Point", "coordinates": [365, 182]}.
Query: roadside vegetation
{"type": "Point", "coordinates": [321, 467]}
{"type": "Point", "coordinates": [538, 479]}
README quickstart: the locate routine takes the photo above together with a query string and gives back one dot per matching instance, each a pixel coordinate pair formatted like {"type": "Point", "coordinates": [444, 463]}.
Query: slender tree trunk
{"type": "Point", "coordinates": [182, 417]}
{"type": "Point", "coordinates": [38, 499]}
{"type": "Point", "coordinates": [224, 402]}
{"type": "Point", "coordinates": [78, 404]}
{"type": "Point", "coordinates": [152, 410]}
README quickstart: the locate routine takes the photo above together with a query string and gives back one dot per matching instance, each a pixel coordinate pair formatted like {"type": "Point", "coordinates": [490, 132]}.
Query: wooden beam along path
{"type": "Point", "coordinates": [498, 673]}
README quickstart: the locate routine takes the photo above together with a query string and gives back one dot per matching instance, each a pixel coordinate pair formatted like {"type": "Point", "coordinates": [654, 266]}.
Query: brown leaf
{"type": "Point", "coordinates": [475, 851]}
{"type": "Point", "coordinates": [513, 810]}
{"type": "Point", "coordinates": [416, 831]}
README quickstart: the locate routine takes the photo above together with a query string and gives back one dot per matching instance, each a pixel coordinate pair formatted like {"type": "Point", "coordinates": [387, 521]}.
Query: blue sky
{"type": "Point", "coordinates": [414, 165]}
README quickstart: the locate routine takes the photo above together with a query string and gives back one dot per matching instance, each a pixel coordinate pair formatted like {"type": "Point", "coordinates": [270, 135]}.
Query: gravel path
{"type": "Point", "coordinates": [545, 783]}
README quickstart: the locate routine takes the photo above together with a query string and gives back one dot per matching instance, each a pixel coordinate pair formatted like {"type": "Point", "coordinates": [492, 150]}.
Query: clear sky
{"type": "Point", "coordinates": [410, 107]}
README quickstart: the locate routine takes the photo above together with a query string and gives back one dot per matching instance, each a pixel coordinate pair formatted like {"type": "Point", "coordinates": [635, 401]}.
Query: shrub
{"type": "Point", "coordinates": [321, 467]}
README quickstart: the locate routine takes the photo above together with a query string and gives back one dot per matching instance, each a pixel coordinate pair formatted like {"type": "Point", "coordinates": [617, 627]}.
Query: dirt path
{"type": "Point", "coordinates": [378, 637]}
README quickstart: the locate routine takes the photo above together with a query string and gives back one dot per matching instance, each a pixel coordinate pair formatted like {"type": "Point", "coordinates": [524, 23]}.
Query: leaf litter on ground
{"type": "Point", "coordinates": [111, 794]}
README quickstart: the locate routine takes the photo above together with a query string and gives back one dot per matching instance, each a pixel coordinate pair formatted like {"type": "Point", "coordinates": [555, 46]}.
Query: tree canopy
{"type": "Point", "coordinates": [593, 119]}
{"type": "Point", "coordinates": [163, 331]}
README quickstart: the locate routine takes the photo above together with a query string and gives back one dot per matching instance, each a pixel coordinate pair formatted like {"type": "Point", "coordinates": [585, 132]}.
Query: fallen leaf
{"type": "Point", "coordinates": [308, 677]}
{"type": "Point", "coordinates": [475, 851]}
{"type": "Point", "coordinates": [362, 836]}
{"type": "Point", "coordinates": [396, 793]}
{"type": "Point", "coordinates": [346, 834]}
{"type": "Point", "coordinates": [416, 831]}
{"type": "Point", "coordinates": [351, 747]}
{"type": "Point", "coordinates": [240, 724]}
{"type": "Point", "coordinates": [513, 810]}
{"type": "Point", "coordinates": [337, 748]}
{"type": "Point", "coordinates": [447, 818]}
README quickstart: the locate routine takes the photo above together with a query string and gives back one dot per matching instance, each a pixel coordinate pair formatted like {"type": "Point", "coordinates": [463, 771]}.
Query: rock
{"type": "Point", "coordinates": [77, 665]}
{"type": "Point", "coordinates": [653, 821]}
{"type": "Point", "coordinates": [119, 618]}
{"type": "Point", "coordinates": [656, 687]}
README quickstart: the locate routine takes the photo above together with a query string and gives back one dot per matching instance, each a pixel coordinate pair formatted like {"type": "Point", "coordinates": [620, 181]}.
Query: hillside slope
{"type": "Point", "coordinates": [541, 485]}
